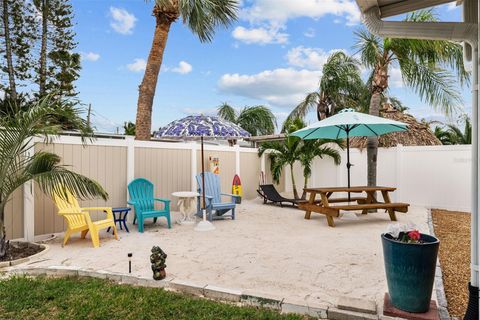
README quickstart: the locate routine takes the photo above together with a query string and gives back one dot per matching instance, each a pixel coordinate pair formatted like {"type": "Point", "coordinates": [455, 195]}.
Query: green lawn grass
{"type": "Point", "coordinates": [85, 298]}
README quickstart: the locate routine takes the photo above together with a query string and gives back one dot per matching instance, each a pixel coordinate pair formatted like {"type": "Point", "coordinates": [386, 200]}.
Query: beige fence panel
{"type": "Point", "coordinates": [106, 164]}
{"type": "Point", "coordinates": [14, 215]}
{"type": "Point", "coordinates": [168, 169]}
{"type": "Point", "coordinates": [226, 164]}
{"type": "Point", "coordinates": [249, 174]}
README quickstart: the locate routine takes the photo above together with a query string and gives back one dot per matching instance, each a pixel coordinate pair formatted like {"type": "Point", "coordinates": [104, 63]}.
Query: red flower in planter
{"type": "Point", "coordinates": [414, 235]}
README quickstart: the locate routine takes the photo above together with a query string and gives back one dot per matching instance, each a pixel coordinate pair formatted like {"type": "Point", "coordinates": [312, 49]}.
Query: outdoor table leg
{"type": "Point", "coordinates": [370, 200]}
{"type": "Point", "coordinates": [325, 204]}
{"type": "Point", "coordinates": [311, 200]}
{"type": "Point", "coordinates": [391, 211]}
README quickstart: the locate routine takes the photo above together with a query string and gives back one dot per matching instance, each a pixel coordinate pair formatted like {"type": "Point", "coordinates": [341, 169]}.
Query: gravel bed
{"type": "Point", "coordinates": [453, 230]}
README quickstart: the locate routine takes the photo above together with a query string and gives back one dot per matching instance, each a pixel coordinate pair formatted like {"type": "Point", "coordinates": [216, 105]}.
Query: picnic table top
{"type": "Point", "coordinates": [351, 189]}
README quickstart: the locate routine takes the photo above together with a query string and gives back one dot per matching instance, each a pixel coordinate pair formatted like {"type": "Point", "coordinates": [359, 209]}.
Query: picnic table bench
{"type": "Point", "coordinates": [363, 203]}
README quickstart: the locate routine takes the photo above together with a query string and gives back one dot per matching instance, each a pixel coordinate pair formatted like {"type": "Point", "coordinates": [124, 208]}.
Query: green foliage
{"type": "Point", "coordinates": [63, 64]}
{"type": "Point", "coordinates": [19, 164]}
{"type": "Point", "coordinates": [293, 149]}
{"type": "Point", "coordinates": [428, 67]}
{"type": "Point", "coordinates": [31, 42]}
{"type": "Point", "coordinates": [21, 26]}
{"type": "Point", "coordinates": [341, 86]}
{"type": "Point", "coordinates": [202, 17]}
{"type": "Point", "coordinates": [85, 298]}
{"type": "Point", "coordinates": [129, 128]}
{"type": "Point", "coordinates": [258, 120]}
{"type": "Point", "coordinates": [452, 134]}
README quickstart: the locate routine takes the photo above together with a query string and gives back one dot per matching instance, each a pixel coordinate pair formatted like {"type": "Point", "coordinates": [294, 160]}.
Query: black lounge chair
{"type": "Point", "coordinates": [269, 193]}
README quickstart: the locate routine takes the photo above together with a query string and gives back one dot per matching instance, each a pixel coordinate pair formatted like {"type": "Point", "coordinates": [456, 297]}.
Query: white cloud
{"type": "Point", "coordinates": [122, 21]}
{"type": "Point", "coordinates": [280, 87]}
{"type": "Point", "coordinates": [260, 35]}
{"type": "Point", "coordinates": [138, 65]}
{"type": "Point", "coordinates": [183, 68]}
{"type": "Point", "coordinates": [310, 58]}
{"type": "Point", "coordinates": [279, 11]}
{"type": "Point", "coordinates": [310, 33]}
{"type": "Point", "coordinates": [395, 79]}
{"type": "Point", "coordinates": [90, 56]}
{"type": "Point", "coordinates": [452, 6]}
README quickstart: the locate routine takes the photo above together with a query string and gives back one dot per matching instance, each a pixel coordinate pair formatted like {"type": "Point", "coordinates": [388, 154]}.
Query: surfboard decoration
{"type": "Point", "coordinates": [237, 187]}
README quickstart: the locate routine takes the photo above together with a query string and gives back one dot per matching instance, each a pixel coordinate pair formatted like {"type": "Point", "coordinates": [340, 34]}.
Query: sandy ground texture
{"type": "Point", "coordinates": [268, 249]}
{"type": "Point", "coordinates": [453, 230]}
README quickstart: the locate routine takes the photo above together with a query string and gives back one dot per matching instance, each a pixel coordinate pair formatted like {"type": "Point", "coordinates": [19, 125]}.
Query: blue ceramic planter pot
{"type": "Point", "coordinates": [410, 270]}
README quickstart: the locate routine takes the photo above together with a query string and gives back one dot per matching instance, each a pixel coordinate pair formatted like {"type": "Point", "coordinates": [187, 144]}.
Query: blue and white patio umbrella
{"type": "Point", "coordinates": [198, 127]}
{"type": "Point", "coordinates": [202, 127]}
{"type": "Point", "coordinates": [349, 123]}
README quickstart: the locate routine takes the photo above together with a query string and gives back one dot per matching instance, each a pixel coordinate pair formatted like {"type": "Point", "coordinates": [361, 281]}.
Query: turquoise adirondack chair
{"type": "Point", "coordinates": [213, 197]}
{"type": "Point", "coordinates": [143, 201]}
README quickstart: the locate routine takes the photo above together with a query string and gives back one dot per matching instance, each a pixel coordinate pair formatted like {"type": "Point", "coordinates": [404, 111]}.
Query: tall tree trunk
{"type": "Point", "coordinates": [372, 142]}
{"type": "Point", "coordinates": [8, 53]}
{"type": "Point", "coordinates": [379, 85]}
{"type": "Point", "coordinates": [3, 234]}
{"type": "Point", "coordinates": [147, 88]}
{"type": "Point", "coordinates": [305, 184]}
{"type": "Point", "coordinates": [294, 185]}
{"type": "Point", "coordinates": [43, 51]}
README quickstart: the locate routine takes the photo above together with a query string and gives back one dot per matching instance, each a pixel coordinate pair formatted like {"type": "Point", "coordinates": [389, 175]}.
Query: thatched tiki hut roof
{"type": "Point", "coordinates": [418, 133]}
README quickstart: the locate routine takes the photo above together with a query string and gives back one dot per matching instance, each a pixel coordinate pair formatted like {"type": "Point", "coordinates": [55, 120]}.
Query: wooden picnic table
{"type": "Point", "coordinates": [363, 202]}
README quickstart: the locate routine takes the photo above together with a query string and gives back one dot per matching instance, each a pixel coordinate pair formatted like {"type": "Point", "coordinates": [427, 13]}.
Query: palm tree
{"type": "Point", "coordinates": [17, 166]}
{"type": "Point", "coordinates": [341, 86]}
{"type": "Point", "coordinates": [258, 120]}
{"type": "Point", "coordinates": [443, 135]}
{"type": "Point", "coordinates": [424, 67]}
{"type": "Point", "coordinates": [454, 135]}
{"type": "Point", "coordinates": [129, 128]}
{"type": "Point", "coordinates": [293, 149]}
{"type": "Point", "coordinates": [202, 17]}
{"type": "Point", "coordinates": [316, 148]}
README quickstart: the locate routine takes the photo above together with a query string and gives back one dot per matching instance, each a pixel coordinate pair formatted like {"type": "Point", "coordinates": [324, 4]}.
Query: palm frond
{"type": "Point", "coordinates": [434, 85]}
{"type": "Point", "coordinates": [204, 16]}
{"type": "Point", "coordinates": [17, 166]}
{"type": "Point", "coordinates": [258, 120]}
{"type": "Point", "coordinates": [300, 111]}
{"type": "Point", "coordinates": [227, 112]}
{"type": "Point", "coordinates": [369, 47]}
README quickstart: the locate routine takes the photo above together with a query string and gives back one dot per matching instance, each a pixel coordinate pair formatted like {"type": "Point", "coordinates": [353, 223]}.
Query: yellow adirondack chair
{"type": "Point", "coordinates": [78, 219]}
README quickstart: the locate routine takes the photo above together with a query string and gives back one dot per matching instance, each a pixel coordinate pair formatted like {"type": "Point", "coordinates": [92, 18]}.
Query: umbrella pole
{"type": "Point", "coordinates": [348, 162]}
{"type": "Point", "coordinates": [204, 206]}
{"type": "Point", "coordinates": [204, 225]}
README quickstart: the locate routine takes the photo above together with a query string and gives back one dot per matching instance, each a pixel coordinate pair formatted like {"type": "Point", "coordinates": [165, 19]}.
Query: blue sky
{"type": "Point", "coordinates": [273, 55]}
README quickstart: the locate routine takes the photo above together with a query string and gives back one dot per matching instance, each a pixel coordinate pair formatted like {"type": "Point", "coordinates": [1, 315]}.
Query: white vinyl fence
{"type": "Point", "coordinates": [437, 176]}
{"type": "Point", "coordinates": [429, 176]}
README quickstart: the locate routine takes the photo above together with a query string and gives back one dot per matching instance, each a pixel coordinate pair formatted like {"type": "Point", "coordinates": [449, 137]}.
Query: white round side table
{"type": "Point", "coordinates": [186, 205]}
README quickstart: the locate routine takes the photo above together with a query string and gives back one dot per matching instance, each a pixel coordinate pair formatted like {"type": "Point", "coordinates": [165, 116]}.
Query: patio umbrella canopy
{"type": "Point", "coordinates": [349, 123]}
{"type": "Point", "coordinates": [418, 134]}
{"type": "Point", "coordinates": [202, 127]}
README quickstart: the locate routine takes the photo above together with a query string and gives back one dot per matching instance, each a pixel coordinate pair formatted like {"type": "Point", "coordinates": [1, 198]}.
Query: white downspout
{"type": "Point", "coordinates": [474, 279]}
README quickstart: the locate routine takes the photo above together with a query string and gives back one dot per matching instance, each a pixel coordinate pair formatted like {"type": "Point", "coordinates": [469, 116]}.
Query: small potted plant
{"type": "Point", "coordinates": [157, 259]}
{"type": "Point", "coordinates": [410, 259]}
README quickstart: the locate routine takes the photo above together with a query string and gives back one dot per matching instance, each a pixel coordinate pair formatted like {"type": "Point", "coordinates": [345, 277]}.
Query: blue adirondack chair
{"type": "Point", "coordinates": [143, 201]}
{"type": "Point", "coordinates": [213, 197]}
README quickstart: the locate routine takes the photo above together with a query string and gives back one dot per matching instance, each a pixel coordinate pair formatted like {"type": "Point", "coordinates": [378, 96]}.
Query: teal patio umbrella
{"type": "Point", "coordinates": [349, 123]}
